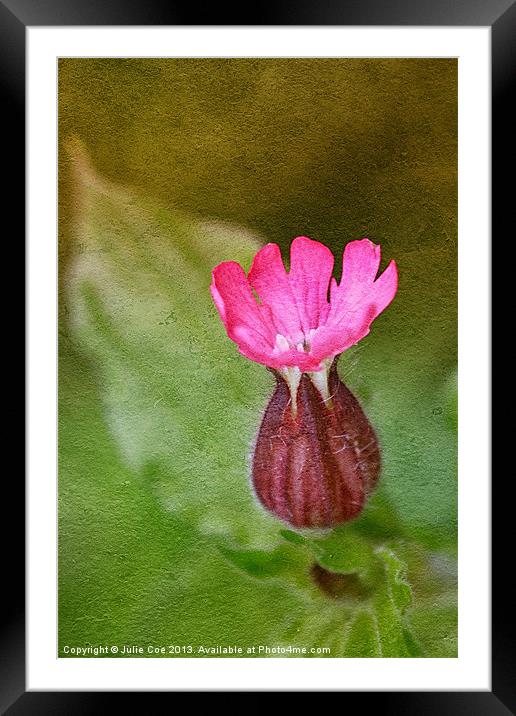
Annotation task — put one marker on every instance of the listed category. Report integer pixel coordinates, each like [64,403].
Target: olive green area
[168,167]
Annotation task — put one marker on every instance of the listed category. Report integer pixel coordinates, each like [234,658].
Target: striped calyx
[315,467]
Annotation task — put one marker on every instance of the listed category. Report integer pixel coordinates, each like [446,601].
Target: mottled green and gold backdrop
[167,167]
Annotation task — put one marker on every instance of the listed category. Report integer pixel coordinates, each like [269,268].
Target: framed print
[258,369]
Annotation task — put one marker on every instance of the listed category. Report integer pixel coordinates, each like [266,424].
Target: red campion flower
[316,457]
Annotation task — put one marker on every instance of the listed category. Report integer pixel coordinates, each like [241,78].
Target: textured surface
[160,538]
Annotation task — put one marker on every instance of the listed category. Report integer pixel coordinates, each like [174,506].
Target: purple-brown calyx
[316,457]
[317,467]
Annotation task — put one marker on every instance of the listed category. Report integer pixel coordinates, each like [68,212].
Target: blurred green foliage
[161,540]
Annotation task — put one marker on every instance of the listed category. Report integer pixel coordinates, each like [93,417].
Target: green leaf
[391,601]
[397,588]
[176,393]
[293,537]
[362,640]
[260,563]
[344,552]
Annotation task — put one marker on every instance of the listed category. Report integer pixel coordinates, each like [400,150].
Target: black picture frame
[15,17]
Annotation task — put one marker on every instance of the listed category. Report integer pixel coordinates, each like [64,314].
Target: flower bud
[316,458]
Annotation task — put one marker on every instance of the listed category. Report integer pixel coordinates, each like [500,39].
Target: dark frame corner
[500,15]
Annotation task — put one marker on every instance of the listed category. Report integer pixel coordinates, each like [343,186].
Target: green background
[166,168]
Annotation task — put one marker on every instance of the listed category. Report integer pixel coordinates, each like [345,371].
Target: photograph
[257,357]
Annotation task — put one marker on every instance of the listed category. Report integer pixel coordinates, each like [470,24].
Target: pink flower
[316,458]
[293,324]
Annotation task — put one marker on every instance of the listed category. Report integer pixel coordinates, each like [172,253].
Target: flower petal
[270,281]
[385,288]
[311,266]
[360,264]
[250,324]
[245,322]
[357,300]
